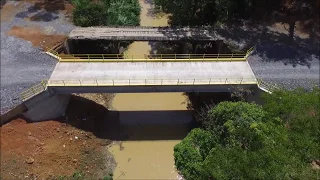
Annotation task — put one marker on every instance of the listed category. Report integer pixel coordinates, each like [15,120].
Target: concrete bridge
[117,73]
[140,33]
[50,99]
[128,77]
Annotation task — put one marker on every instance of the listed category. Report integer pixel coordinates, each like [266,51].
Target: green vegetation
[106,13]
[239,140]
[209,12]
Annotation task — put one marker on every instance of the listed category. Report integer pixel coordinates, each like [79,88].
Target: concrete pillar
[68,44]
[48,108]
[184,48]
[219,46]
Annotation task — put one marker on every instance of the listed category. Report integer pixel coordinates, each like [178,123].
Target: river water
[154,123]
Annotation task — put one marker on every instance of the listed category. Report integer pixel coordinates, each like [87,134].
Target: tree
[300,111]
[106,12]
[190,153]
[87,13]
[241,141]
[124,12]
[209,12]
[291,11]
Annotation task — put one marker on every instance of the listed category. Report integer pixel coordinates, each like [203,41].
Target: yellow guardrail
[52,51]
[249,51]
[152,82]
[34,90]
[150,58]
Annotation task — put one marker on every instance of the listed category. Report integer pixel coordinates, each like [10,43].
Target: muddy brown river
[154,122]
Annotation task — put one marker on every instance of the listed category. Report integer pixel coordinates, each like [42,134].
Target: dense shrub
[266,163]
[236,123]
[246,143]
[300,111]
[106,12]
[124,12]
[190,153]
[87,13]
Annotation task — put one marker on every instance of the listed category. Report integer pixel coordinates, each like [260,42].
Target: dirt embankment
[57,149]
[39,11]
[36,36]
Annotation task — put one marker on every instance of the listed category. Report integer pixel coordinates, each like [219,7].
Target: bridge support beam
[47,108]
[69,46]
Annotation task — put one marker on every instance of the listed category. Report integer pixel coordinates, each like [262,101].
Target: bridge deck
[144,33]
[157,73]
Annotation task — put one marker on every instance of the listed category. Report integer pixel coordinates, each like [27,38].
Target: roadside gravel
[22,64]
[282,71]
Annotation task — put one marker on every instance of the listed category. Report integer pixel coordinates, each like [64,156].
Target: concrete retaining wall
[48,108]
[5,118]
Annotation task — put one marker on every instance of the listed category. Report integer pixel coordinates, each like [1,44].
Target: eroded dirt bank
[58,149]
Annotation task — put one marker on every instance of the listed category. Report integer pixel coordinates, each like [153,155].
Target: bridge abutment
[46,106]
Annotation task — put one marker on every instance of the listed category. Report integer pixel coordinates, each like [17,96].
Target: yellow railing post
[203,57]
[194,80]
[231,56]
[210,81]
[112,82]
[175,57]
[129,82]
[178,82]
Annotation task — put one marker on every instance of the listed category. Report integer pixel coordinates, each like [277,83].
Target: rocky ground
[27,27]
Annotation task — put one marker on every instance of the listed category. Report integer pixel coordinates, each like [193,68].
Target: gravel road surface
[285,71]
[22,64]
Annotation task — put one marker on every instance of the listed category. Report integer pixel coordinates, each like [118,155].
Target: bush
[300,111]
[190,153]
[266,163]
[236,124]
[87,13]
[106,12]
[241,141]
[124,12]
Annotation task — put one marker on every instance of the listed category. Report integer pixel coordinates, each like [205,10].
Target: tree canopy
[209,12]
[239,140]
[106,12]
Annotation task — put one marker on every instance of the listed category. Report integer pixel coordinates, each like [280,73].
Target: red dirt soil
[47,150]
[9,11]
[36,36]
